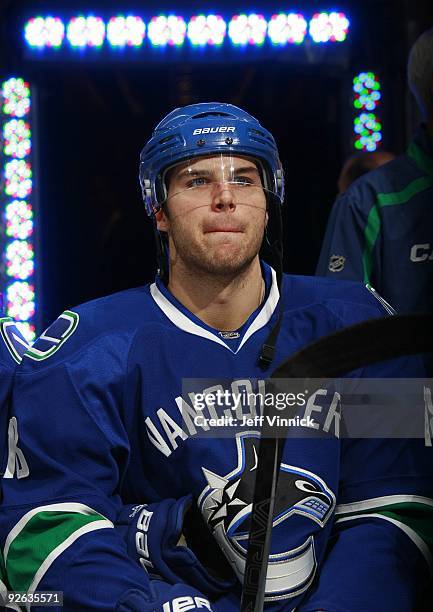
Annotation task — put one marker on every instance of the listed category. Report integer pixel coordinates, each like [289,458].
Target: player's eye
[243,181]
[197,181]
[304,485]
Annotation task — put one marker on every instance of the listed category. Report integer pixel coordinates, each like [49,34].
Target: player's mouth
[226,230]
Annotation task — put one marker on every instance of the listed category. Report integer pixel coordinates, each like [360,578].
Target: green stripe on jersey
[422,160]
[40,537]
[372,228]
[416,515]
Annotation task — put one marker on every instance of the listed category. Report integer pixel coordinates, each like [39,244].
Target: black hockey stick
[329,357]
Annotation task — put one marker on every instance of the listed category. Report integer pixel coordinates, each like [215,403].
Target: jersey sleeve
[378,555]
[348,247]
[12,348]
[67,453]
[386,574]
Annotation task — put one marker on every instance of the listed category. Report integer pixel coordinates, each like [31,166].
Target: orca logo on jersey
[226,505]
[14,341]
[213,130]
[54,337]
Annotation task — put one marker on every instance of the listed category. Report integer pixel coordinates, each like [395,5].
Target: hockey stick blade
[351,348]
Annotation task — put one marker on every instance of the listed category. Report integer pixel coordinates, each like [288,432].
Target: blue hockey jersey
[380,230]
[103,419]
[12,347]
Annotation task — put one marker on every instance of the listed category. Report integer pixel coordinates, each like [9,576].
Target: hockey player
[380,230]
[12,348]
[104,419]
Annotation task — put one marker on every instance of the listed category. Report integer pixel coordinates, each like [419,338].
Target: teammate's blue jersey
[380,230]
[12,348]
[103,419]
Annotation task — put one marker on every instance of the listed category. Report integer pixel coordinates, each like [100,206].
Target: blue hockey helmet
[205,129]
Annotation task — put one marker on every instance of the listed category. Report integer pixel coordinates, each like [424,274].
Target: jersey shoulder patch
[13,339]
[50,341]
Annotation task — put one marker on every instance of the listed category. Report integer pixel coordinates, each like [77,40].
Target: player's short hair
[420,72]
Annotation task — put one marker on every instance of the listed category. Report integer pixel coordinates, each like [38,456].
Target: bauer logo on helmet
[213,130]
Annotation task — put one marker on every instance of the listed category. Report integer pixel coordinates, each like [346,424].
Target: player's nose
[223,197]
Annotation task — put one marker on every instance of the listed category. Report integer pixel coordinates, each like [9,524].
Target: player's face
[215,214]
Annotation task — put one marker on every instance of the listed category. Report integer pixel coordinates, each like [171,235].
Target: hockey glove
[167,598]
[153,533]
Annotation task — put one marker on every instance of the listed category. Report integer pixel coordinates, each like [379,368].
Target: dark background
[94,116]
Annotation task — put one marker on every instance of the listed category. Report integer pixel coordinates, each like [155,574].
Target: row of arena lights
[366,98]
[16,203]
[173,30]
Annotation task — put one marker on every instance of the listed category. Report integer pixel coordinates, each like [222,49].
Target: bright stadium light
[85,31]
[19,219]
[167,30]
[366,88]
[15,97]
[366,125]
[16,205]
[18,178]
[368,130]
[16,138]
[206,30]
[126,31]
[44,32]
[287,28]
[20,257]
[329,27]
[20,300]
[243,29]
[248,29]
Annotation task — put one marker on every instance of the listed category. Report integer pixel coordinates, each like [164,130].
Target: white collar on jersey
[184,323]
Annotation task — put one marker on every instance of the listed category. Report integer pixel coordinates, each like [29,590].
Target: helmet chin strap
[161,253]
[275,249]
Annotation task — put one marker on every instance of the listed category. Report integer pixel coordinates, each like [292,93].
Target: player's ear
[162,222]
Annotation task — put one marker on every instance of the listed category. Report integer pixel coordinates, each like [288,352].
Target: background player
[12,348]
[380,230]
